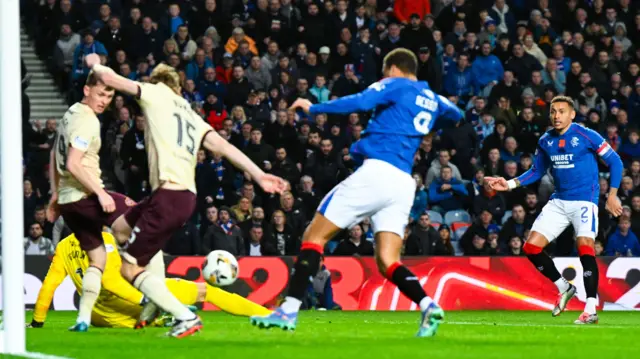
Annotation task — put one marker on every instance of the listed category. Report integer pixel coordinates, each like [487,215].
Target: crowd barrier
[457,283]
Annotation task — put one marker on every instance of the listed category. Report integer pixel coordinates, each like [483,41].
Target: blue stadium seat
[435,217]
[457,216]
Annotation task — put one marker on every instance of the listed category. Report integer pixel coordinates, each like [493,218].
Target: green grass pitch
[357,335]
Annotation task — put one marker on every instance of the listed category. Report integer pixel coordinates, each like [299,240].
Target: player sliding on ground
[404,112]
[119,304]
[570,151]
[77,189]
[173,135]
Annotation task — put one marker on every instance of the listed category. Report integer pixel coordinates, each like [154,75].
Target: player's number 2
[422,122]
[192,146]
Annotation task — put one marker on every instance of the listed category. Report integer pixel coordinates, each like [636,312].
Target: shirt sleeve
[148,94]
[82,133]
[55,276]
[602,148]
[537,170]
[379,93]
[448,110]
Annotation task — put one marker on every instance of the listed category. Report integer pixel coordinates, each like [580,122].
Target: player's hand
[271,183]
[53,210]
[107,203]
[614,206]
[35,324]
[497,183]
[304,104]
[91,60]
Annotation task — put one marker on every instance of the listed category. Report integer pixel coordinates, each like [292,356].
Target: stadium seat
[505,218]
[457,216]
[435,225]
[459,228]
[435,217]
[457,250]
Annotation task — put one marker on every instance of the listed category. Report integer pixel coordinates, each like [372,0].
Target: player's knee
[586,246]
[531,249]
[98,257]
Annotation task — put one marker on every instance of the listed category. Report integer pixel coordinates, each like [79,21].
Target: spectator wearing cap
[424,240]
[224,235]
[428,70]
[459,80]
[348,83]
[487,70]
[489,33]
[416,35]
[620,36]
[502,48]
[237,36]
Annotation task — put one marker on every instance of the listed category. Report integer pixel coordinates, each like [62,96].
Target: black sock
[545,265]
[306,266]
[590,275]
[408,284]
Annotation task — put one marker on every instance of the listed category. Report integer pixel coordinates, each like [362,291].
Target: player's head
[562,112]
[97,95]
[167,75]
[400,63]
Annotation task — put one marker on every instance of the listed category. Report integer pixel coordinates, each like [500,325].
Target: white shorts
[558,214]
[377,190]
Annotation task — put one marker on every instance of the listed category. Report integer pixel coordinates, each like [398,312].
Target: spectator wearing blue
[365,55]
[210,85]
[88,46]
[631,148]
[510,151]
[623,242]
[563,62]
[504,17]
[459,80]
[473,114]
[420,199]
[633,105]
[487,70]
[102,20]
[320,293]
[175,20]
[195,68]
[319,89]
[485,126]
[447,193]
[551,75]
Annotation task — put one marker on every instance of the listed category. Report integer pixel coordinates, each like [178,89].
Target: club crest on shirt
[550,143]
[574,141]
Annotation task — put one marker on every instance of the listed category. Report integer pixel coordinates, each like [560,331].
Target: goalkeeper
[119,303]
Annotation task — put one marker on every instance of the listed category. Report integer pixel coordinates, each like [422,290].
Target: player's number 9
[422,122]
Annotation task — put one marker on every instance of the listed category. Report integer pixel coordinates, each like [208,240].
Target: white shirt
[254,250]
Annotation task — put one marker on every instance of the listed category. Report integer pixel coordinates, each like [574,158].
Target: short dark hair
[403,59]
[93,80]
[565,99]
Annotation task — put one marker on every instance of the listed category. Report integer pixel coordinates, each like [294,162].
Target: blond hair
[167,75]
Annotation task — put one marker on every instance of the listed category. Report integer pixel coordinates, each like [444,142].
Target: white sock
[590,307]
[291,305]
[562,285]
[156,290]
[425,303]
[156,266]
[91,285]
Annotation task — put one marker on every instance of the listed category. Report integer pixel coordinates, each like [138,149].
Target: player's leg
[547,227]
[151,310]
[190,293]
[83,218]
[585,222]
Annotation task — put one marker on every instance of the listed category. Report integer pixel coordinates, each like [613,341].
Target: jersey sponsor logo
[562,161]
[109,248]
[80,143]
[575,142]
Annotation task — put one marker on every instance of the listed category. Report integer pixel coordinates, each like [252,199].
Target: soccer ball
[220,268]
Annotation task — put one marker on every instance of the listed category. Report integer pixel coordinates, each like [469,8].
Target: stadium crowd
[243,62]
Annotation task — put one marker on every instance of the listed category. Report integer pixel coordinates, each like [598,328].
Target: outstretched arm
[110,78]
[534,173]
[377,94]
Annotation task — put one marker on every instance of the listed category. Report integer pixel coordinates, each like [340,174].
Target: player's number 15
[422,122]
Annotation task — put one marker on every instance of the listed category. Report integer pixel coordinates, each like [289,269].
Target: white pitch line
[539,325]
[35,355]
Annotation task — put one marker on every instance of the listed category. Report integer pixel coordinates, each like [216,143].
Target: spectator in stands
[459,80]
[185,242]
[516,225]
[258,75]
[63,54]
[522,64]
[134,160]
[487,70]
[88,46]
[325,167]
[195,69]
[436,166]
[447,193]
[424,239]
[282,235]
[258,245]
[40,216]
[489,200]
[479,228]
[515,247]
[36,244]
[224,235]
[242,210]
[420,199]
[623,242]
[445,236]
[354,245]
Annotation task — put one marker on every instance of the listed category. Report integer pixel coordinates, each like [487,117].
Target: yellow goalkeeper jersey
[117,295]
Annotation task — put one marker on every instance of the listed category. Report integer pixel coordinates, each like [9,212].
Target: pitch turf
[357,335]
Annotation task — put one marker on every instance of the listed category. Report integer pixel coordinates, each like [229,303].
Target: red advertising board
[457,283]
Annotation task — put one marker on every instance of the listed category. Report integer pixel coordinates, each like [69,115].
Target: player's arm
[448,110]
[537,170]
[377,94]
[53,211]
[55,276]
[613,161]
[88,181]
[111,78]
[215,143]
